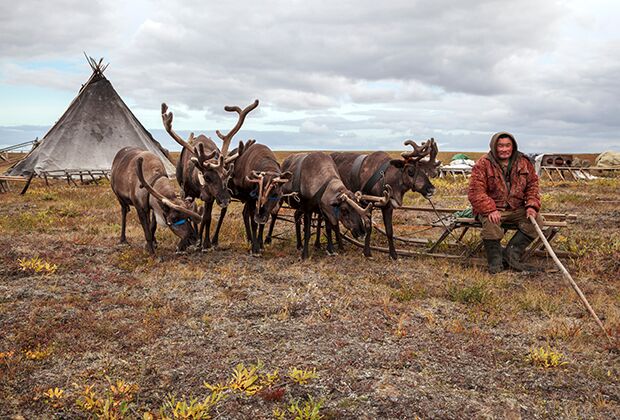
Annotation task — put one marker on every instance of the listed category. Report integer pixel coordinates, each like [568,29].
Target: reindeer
[203,171]
[257,182]
[372,174]
[318,189]
[139,179]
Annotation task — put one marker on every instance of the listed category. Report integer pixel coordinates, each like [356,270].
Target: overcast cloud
[329,75]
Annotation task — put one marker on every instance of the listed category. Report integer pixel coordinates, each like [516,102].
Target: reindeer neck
[394,178]
[162,185]
[333,188]
[267,164]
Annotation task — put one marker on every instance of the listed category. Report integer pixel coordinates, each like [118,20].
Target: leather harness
[379,173]
[316,198]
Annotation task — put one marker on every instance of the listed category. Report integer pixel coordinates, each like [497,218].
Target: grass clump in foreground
[37,266]
[475,294]
[546,357]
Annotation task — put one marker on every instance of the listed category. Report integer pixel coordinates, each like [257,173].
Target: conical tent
[92,130]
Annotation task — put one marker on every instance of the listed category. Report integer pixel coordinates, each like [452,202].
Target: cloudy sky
[331,74]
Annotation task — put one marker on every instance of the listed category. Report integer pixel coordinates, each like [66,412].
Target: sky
[330,75]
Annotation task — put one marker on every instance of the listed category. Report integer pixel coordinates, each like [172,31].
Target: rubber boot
[514,251]
[494,255]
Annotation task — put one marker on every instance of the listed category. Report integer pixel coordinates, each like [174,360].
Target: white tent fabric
[608,158]
[92,130]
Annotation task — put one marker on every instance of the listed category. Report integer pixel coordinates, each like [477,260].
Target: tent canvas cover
[92,130]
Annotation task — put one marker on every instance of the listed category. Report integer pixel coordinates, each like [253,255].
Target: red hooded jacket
[490,190]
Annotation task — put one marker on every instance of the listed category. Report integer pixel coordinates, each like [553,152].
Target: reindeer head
[268,192]
[173,212]
[418,165]
[213,173]
[346,209]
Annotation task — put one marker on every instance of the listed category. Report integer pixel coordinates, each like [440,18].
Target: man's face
[504,148]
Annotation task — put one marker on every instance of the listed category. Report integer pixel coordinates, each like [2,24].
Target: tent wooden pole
[27,184]
[570,279]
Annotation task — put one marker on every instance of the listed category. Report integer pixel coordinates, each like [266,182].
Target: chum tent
[95,126]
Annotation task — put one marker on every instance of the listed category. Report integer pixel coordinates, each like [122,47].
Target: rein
[379,173]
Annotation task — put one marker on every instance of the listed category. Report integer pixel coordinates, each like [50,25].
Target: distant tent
[608,158]
[87,136]
[460,156]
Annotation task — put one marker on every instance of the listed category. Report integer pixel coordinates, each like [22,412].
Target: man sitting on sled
[504,189]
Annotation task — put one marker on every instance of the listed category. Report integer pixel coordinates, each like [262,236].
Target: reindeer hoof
[205,250]
[332,253]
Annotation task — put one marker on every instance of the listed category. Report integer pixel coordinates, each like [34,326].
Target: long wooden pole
[570,279]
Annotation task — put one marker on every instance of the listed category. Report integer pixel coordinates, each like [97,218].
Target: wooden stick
[27,184]
[569,278]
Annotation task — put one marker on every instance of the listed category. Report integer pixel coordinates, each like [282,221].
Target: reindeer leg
[146,227]
[216,234]
[153,223]
[271,225]
[297,218]
[330,244]
[261,230]
[255,241]
[307,228]
[317,241]
[389,230]
[247,214]
[338,237]
[124,211]
[367,252]
[205,226]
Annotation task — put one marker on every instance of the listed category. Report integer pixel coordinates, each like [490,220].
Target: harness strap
[316,198]
[297,176]
[375,178]
[355,172]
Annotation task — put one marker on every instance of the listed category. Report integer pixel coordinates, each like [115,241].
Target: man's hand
[495,217]
[530,212]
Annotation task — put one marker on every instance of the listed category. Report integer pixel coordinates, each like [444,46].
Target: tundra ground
[419,337]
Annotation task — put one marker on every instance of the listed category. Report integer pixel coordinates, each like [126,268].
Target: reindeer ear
[398,163]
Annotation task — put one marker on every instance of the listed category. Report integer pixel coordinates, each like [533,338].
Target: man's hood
[493,145]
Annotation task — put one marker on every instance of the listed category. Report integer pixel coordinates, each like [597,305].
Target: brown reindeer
[257,182]
[319,189]
[371,174]
[139,179]
[203,170]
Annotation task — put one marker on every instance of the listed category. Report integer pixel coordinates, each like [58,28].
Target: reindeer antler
[242,114]
[167,118]
[418,152]
[433,154]
[376,201]
[159,196]
[362,211]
